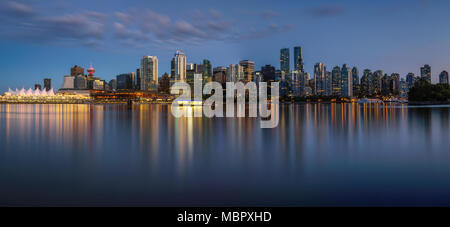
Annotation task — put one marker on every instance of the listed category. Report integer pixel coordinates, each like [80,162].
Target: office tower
[148,73]
[37,87]
[347,79]
[284,60]
[47,84]
[178,65]
[164,84]
[366,83]
[220,75]
[69,82]
[248,68]
[207,71]
[98,84]
[328,84]
[403,88]
[376,82]
[268,73]
[137,85]
[133,80]
[190,71]
[80,82]
[385,85]
[425,72]
[410,80]
[395,83]
[299,65]
[336,79]
[76,70]
[235,73]
[319,78]
[443,77]
[124,81]
[355,81]
[113,84]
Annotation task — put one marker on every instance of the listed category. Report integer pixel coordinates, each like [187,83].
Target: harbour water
[319,155]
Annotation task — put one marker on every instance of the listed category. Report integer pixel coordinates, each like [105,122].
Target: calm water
[320,154]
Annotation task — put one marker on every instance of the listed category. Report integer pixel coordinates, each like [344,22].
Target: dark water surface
[320,154]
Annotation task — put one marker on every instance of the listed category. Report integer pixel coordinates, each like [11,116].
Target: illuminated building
[149,73]
[178,67]
[284,60]
[443,77]
[425,72]
[248,68]
[47,84]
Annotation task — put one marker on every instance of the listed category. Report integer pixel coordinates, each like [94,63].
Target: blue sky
[41,39]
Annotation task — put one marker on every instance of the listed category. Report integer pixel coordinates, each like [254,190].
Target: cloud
[269,14]
[16,9]
[326,11]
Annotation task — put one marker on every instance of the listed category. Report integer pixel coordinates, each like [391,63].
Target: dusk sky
[41,39]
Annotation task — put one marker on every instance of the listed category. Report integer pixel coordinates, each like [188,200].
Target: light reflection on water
[320,154]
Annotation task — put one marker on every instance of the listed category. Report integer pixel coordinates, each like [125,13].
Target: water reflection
[320,154]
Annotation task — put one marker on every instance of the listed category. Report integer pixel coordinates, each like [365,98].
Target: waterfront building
[124,81]
[366,84]
[137,85]
[355,81]
[149,73]
[403,88]
[164,84]
[410,79]
[37,87]
[207,71]
[425,72]
[47,84]
[113,84]
[98,84]
[284,60]
[346,84]
[376,82]
[328,84]
[220,74]
[76,70]
[69,82]
[299,65]
[268,73]
[248,68]
[443,77]
[385,85]
[395,84]
[178,64]
[319,78]
[336,79]
[80,82]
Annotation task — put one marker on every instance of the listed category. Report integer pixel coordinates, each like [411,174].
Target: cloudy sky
[45,38]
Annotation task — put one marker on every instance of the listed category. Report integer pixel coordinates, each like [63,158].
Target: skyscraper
[207,71]
[395,83]
[328,84]
[425,72]
[268,73]
[366,83]
[410,80]
[299,65]
[76,70]
[284,60]
[376,82]
[443,77]
[179,67]
[355,81]
[148,73]
[319,78]
[47,84]
[248,68]
[124,81]
[346,85]
[336,79]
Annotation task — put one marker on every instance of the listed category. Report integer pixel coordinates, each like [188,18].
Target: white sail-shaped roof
[29,92]
[51,92]
[36,92]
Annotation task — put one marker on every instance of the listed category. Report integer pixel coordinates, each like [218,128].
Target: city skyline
[51,59]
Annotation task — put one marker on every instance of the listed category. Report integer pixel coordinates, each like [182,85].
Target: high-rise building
[137,85]
[319,78]
[164,84]
[443,77]
[178,65]
[336,79]
[113,84]
[376,82]
[299,65]
[284,60]
[148,73]
[395,84]
[37,87]
[386,85]
[355,81]
[76,70]
[47,84]
[268,73]
[248,68]
[347,79]
[220,75]
[235,73]
[69,82]
[403,88]
[425,72]
[80,82]
[207,71]
[328,84]
[125,81]
[410,79]
[367,83]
